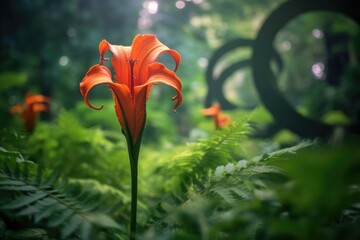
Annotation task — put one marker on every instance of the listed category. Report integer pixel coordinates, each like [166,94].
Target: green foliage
[209,189]
[78,151]
[308,191]
[321,199]
[10,79]
[228,188]
[215,188]
[325,169]
[31,195]
[193,164]
[250,178]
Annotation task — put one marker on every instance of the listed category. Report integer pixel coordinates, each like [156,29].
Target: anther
[102,59]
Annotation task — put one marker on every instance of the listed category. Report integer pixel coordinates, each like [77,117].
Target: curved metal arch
[215,85]
[264,78]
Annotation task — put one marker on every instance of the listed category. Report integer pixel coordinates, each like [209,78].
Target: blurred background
[283,71]
[47,47]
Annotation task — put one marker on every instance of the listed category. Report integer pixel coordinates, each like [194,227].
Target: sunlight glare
[63,61]
[180,4]
[318,70]
[152,6]
[317,33]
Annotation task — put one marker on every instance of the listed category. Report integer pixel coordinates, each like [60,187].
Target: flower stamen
[102,59]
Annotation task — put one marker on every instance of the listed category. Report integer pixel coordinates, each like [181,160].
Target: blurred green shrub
[80,152]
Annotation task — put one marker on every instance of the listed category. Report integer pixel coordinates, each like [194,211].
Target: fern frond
[194,163]
[39,173]
[224,193]
[50,204]
[229,190]
[27,233]
[285,152]
[9,154]
[248,176]
[89,190]
[22,202]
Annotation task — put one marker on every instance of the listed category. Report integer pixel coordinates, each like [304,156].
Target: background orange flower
[34,103]
[220,119]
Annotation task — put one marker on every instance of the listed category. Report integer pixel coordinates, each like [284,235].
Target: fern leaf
[195,162]
[28,211]
[50,181]
[46,209]
[24,200]
[265,169]
[18,156]
[17,171]
[7,169]
[26,172]
[69,228]
[280,153]
[52,206]
[224,193]
[241,192]
[101,220]
[39,173]
[10,182]
[85,230]
[23,188]
[27,233]
[57,220]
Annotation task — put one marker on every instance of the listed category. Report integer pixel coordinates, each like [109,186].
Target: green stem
[133,156]
[134,190]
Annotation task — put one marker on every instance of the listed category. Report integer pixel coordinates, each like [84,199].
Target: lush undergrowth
[67,181]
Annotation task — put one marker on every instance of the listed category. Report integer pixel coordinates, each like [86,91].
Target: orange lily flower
[34,103]
[220,119]
[136,70]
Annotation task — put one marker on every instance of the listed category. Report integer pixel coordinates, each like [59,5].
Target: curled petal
[145,50]
[36,98]
[148,44]
[159,74]
[212,111]
[120,60]
[96,75]
[103,48]
[222,120]
[176,56]
[142,44]
[40,107]
[152,57]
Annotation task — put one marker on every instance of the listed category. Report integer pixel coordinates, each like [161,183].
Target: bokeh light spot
[180,4]
[63,61]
